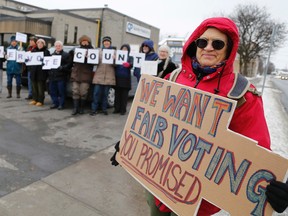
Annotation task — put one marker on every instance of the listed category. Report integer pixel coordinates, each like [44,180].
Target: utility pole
[268,58]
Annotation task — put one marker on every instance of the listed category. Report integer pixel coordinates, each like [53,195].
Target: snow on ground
[277,120]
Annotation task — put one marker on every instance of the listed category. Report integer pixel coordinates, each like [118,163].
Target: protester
[58,77]
[1,74]
[81,78]
[165,64]
[147,47]
[31,47]
[104,78]
[13,69]
[39,76]
[123,82]
[207,64]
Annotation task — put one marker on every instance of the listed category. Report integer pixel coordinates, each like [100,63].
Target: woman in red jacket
[207,64]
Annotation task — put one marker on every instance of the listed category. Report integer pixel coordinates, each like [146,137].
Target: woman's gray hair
[58,42]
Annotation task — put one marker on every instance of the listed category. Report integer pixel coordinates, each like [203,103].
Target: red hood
[225,25]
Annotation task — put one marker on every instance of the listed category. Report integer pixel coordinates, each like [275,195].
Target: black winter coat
[165,67]
[63,72]
[36,71]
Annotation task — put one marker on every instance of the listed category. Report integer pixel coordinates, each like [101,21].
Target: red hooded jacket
[248,119]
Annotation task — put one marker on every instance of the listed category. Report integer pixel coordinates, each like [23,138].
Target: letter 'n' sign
[177,144]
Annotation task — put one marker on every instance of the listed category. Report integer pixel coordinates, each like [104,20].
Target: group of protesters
[101,77]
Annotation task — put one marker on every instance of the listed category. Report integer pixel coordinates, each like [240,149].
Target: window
[66,33]
[75,34]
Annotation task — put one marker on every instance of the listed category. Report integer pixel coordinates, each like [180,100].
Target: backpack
[239,88]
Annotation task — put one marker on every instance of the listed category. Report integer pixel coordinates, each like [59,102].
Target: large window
[66,33]
[75,34]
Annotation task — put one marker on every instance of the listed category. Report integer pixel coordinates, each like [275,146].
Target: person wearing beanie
[104,78]
[81,78]
[32,46]
[13,70]
[39,76]
[146,47]
[165,64]
[123,82]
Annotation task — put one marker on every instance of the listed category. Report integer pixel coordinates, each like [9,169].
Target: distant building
[69,25]
[176,47]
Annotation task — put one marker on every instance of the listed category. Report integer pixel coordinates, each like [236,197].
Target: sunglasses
[216,44]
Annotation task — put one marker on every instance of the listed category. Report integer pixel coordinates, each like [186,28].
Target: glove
[113,158]
[277,195]
[26,60]
[60,68]
[126,64]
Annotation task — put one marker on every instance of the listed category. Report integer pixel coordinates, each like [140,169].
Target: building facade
[69,25]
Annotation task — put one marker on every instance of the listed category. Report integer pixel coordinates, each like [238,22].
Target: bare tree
[255,29]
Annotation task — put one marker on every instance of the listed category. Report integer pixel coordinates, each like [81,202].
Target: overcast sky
[178,17]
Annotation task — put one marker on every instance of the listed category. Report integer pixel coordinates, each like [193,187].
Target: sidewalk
[92,187]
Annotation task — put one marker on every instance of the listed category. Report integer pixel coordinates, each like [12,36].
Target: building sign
[177,144]
[138,30]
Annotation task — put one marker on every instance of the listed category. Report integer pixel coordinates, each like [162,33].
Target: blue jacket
[150,56]
[12,66]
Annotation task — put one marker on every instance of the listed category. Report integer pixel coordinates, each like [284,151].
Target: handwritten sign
[21,37]
[177,144]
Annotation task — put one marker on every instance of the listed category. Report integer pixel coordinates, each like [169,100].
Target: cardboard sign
[21,37]
[177,144]
[1,51]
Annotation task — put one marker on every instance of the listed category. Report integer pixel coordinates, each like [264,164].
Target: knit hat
[12,38]
[164,48]
[84,38]
[106,38]
[41,41]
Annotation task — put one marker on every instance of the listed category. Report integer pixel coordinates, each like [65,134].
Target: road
[283,86]
[36,141]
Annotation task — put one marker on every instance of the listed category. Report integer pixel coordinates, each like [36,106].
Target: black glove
[277,195]
[59,68]
[113,158]
[26,60]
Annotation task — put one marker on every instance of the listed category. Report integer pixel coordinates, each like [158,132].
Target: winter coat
[36,71]
[165,66]
[248,119]
[64,70]
[150,56]
[82,72]
[123,75]
[105,73]
[13,67]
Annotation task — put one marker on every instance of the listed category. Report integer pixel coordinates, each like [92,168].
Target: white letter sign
[93,56]
[107,56]
[121,56]
[79,55]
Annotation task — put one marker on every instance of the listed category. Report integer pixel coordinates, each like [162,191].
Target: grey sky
[180,17]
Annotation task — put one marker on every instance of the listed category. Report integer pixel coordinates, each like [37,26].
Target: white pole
[268,59]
